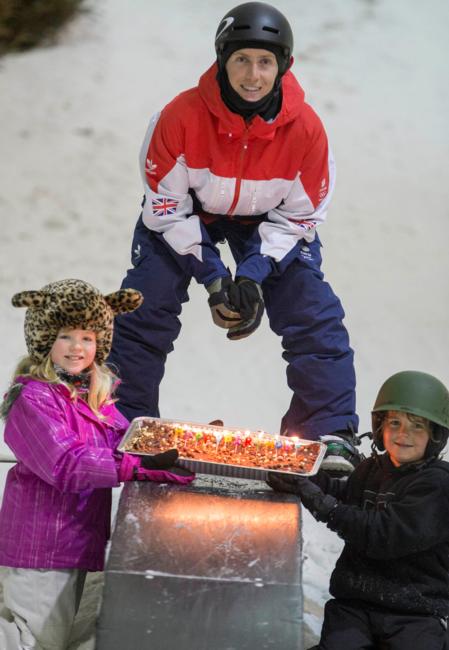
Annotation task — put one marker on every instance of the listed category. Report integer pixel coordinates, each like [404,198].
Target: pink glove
[163,470]
[166,476]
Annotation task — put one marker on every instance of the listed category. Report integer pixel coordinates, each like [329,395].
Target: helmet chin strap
[437,441]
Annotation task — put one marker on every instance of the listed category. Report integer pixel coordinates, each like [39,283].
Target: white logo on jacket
[150,167]
[323,190]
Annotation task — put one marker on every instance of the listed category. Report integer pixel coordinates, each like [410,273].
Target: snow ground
[72,118]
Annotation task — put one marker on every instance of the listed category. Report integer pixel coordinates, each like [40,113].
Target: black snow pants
[356,625]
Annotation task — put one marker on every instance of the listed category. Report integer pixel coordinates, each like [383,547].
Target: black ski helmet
[256,22]
[417,393]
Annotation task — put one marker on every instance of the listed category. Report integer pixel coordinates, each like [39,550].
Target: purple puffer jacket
[57,501]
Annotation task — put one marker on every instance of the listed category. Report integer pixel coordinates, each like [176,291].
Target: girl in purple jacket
[64,429]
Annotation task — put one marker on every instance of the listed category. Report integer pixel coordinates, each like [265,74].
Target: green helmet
[417,393]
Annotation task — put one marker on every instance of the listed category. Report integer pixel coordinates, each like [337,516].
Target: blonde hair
[100,388]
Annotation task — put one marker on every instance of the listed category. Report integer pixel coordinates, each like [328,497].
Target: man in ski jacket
[242,158]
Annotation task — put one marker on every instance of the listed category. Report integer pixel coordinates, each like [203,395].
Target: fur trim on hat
[73,304]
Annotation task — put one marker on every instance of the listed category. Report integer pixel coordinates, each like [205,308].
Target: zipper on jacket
[238,180]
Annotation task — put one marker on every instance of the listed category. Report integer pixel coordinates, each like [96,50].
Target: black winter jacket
[395,522]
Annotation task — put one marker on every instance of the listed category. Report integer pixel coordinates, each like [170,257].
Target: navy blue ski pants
[301,307]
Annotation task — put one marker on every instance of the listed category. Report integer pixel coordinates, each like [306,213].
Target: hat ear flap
[124,300]
[28,299]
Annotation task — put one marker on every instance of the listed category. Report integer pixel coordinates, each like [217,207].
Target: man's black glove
[250,305]
[312,497]
[223,294]
[165,460]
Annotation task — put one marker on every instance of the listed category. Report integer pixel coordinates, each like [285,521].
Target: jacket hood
[229,122]
[14,391]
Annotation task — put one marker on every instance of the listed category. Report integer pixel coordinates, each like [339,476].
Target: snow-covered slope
[71,122]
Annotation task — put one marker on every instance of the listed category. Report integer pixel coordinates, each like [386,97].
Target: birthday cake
[203,447]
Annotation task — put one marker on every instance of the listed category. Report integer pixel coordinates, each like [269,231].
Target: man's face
[252,73]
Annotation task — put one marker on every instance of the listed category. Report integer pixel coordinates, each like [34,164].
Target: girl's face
[405,437]
[252,73]
[74,350]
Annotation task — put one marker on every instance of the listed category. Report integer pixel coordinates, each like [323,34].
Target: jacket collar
[233,124]
[78,404]
[83,407]
[387,465]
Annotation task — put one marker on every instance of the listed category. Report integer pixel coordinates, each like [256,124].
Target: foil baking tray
[224,451]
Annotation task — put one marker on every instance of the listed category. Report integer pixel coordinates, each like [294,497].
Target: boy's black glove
[251,306]
[223,294]
[165,460]
[312,497]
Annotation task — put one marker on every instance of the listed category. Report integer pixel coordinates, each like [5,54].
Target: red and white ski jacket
[200,161]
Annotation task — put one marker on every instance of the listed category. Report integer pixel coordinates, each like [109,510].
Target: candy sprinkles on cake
[214,444]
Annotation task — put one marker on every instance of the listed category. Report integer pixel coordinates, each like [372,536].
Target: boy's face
[405,437]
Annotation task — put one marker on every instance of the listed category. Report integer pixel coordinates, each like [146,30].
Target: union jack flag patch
[163,206]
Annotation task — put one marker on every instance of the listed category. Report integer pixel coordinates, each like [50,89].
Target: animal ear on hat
[124,300]
[28,299]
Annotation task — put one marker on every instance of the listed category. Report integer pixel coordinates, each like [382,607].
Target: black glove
[312,497]
[251,307]
[222,295]
[165,460]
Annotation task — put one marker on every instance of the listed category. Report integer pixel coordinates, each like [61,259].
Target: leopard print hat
[75,304]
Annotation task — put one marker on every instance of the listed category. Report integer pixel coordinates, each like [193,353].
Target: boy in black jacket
[390,586]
